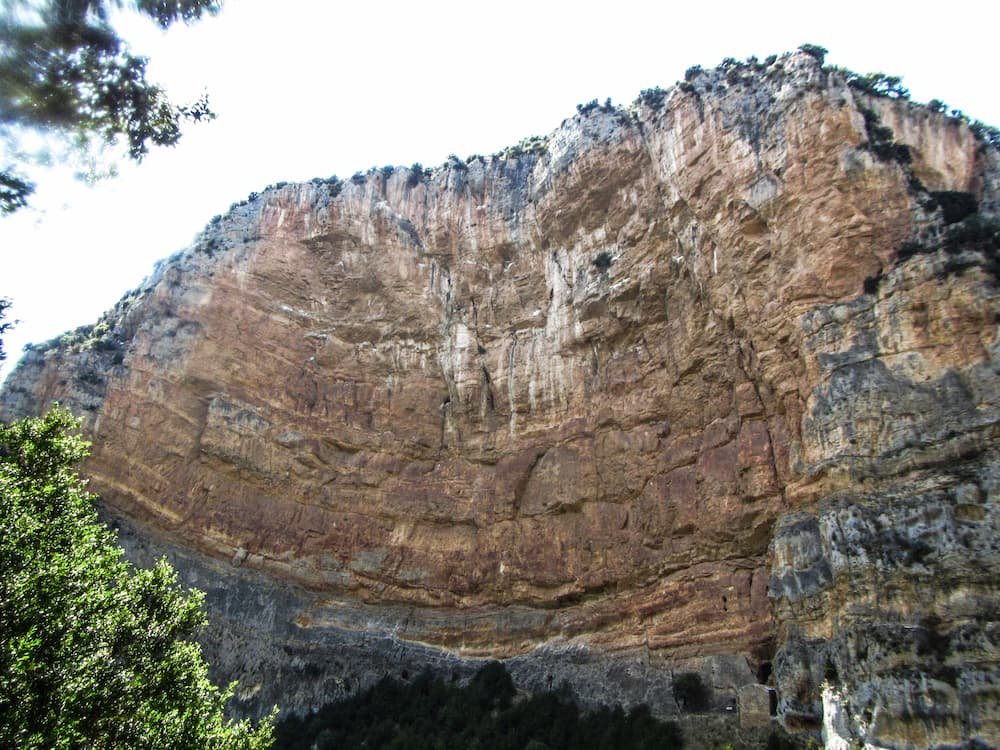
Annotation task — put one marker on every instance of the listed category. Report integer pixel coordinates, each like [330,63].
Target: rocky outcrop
[701,384]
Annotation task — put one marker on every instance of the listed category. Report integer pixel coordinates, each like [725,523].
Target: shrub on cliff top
[653,97]
[986,133]
[814,50]
[879,84]
[416,175]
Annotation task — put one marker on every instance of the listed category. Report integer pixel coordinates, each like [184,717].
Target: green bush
[693,72]
[814,50]
[973,242]
[416,174]
[881,140]
[535,144]
[334,185]
[653,97]
[955,205]
[986,133]
[602,261]
[879,84]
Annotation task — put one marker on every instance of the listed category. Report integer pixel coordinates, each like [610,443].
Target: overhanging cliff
[704,383]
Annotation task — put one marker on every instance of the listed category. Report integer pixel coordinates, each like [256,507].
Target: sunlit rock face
[704,384]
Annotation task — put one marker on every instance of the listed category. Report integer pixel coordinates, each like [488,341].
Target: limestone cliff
[706,383]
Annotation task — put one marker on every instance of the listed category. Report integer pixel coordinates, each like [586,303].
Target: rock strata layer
[710,383]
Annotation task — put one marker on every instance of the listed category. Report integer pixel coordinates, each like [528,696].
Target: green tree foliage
[814,50]
[485,714]
[653,97]
[93,653]
[879,84]
[64,71]
[14,192]
[986,133]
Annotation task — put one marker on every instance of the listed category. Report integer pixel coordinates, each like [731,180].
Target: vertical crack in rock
[512,382]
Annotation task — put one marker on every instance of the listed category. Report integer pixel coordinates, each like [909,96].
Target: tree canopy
[428,712]
[93,653]
[65,71]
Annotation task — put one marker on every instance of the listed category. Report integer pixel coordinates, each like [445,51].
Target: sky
[304,89]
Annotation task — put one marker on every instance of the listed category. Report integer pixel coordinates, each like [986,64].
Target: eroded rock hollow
[709,383]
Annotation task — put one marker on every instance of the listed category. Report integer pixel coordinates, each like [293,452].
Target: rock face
[704,384]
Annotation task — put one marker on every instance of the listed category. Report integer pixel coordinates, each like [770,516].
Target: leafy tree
[64,71]
[93,653]
[492,687]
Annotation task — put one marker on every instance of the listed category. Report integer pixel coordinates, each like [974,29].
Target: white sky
[311,88]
